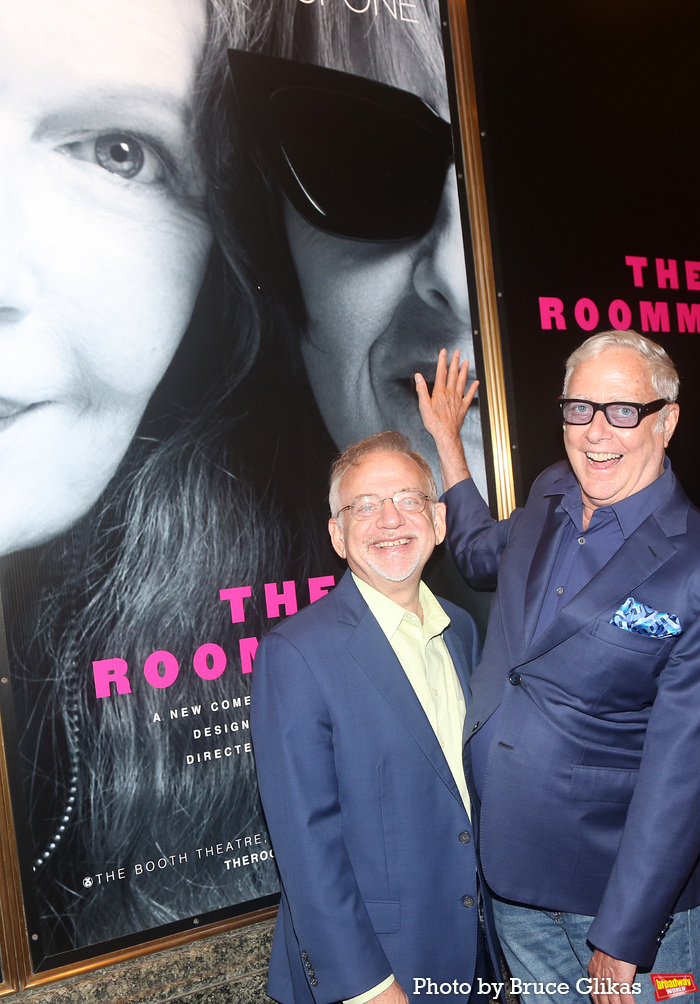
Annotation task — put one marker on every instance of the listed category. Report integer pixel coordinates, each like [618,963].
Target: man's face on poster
[377,312]
[104,240]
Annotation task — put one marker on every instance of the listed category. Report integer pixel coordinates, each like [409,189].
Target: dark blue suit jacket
[591,798]
[372,840]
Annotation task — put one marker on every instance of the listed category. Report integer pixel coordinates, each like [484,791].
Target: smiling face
[609,463]
[103,240]
[390,551]
[378,312]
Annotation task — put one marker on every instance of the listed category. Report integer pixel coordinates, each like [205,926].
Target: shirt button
[468,901]
[465,838]
[582,540]
[560,590]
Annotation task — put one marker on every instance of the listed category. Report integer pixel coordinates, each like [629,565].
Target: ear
[670,421]
[337,536]
[439,523]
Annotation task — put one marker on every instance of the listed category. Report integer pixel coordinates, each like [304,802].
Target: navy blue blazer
[373,842]
[591,798]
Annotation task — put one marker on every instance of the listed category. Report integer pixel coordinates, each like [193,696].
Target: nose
[439,276]
[17,291]
[599,428]
[390,516]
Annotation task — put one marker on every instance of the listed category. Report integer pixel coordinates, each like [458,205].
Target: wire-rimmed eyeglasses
[409,502]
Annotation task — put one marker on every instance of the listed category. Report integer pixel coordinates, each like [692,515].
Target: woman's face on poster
[378,312]
[104,240]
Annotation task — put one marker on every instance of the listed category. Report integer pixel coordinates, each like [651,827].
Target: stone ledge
[229,968]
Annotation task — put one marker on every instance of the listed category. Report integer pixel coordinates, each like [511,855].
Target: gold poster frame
[15,954]
[482,253]
[12,928]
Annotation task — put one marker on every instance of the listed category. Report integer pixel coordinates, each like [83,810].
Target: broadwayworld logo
[667,986]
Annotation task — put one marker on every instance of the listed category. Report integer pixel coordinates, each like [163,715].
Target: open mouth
[392,543]
[603,459]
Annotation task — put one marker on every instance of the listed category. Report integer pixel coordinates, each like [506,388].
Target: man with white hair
[585,710]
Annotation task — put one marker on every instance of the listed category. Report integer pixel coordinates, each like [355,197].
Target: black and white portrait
[198,309]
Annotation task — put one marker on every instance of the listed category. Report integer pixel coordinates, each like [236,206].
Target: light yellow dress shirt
[426,661]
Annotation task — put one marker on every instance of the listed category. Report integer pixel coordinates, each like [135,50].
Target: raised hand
[443,413]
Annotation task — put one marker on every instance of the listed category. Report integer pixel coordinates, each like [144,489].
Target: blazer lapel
[462,663]
[642,554]
[533,554]
[460,659]
[370,648]
[540,572]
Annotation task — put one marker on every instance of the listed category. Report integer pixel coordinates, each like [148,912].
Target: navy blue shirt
[581,554]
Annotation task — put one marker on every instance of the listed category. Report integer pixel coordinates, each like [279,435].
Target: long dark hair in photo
[190,511]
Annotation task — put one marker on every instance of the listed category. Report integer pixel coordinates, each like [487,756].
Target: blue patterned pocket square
[634,616]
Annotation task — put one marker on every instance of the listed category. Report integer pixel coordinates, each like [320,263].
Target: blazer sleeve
[660,842]
[475,538]
[292,731]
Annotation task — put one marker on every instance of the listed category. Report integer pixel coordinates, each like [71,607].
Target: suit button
[465,838]
[475,726]
[314,982]
[311,974]
[308,964]
[468,901]
[304,955]
[516,679]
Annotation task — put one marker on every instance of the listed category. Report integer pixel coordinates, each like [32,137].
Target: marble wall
[228,968]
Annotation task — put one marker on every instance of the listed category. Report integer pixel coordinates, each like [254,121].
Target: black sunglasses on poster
[356,158]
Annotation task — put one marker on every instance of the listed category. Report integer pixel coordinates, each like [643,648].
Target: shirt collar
[389,614]
[629,512]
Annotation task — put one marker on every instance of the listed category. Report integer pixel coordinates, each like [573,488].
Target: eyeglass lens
[364,171]
[620,415]
[369,505]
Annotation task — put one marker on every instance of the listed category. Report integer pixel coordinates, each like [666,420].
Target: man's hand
[609,972]
[394,994]
[443,413]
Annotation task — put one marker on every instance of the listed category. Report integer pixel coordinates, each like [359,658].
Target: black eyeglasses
[620,414]
[355,158]
[410,501]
